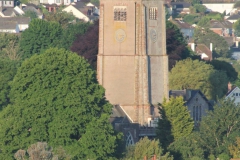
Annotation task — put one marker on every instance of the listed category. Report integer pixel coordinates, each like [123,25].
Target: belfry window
[153,13]
[120,13]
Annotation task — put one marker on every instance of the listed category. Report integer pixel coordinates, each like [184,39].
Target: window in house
[200,113]
[236,94]
[129,139]
[120,13]
[197,113]
[194,113]
[233,94]
[153,13]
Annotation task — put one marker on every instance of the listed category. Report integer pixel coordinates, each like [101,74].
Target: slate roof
[118,115]
[8,11]
[187,94]
[202,48]
[31,8]
[220,24]
[181,24]
[234,17]
[19,20]
[78,5]
[7,25]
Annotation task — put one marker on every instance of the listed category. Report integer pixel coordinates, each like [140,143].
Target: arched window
[200,113]
[120,13]
[197,113]
[153,13]
[129,139]
[194,113]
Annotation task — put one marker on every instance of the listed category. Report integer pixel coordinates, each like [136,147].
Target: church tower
[132,60]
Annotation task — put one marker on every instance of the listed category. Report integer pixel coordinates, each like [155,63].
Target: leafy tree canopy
[219,128]
[195,74]
[186,148]
[206,36]
[54,96]
[8,69]
[236,27]
[146,148]
[179,121]
[225,66]
[200,8]
[39,36]
[86,45]
[204,22]
[176,44]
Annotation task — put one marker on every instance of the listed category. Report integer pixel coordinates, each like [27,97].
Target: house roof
[218,1]
[229,92]
[234,17]
[220,24]
[188,95]
[202,48]
[181,24]
[19,20]
[31,8]
[78,5]
[181,4]
[8,25]
[7,11]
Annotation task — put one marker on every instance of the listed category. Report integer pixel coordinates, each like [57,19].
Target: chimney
[211,47]
[229,86]
[193,47]
[237,44]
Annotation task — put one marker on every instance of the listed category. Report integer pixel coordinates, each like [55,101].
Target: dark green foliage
[8,69]
[54,95]
[186,148]
[99,141]
[206,36]
[204,22]
[219,128]
[195,74]
[200,8]
[226,67]
[176,44]
[86,45]
[191,18]
[236,27]
[70,34]
[40,36]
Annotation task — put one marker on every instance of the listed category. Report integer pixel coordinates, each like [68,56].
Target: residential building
[180,7]
[222,28]
[196,102]
[233,18]
[233,93]
[220,6]
[83,12]
[186,29]
[15,24]
[202,50]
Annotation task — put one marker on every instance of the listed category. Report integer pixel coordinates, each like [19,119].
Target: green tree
[186,148]
[54,96]
[195,74]
[206,36]
[61,17]
[235,148]
[226,67]
[200,8]
[146,148]
[71,33]
[236,27]
[39,36]
[204,22]
[178,115]
[8,69]
[30,14]
[219,128]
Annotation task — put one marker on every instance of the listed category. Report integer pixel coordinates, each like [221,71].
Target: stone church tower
[132,60]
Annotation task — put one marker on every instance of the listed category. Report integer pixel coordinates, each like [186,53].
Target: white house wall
[7,3]
[76,13]
[235,94]
[219,7]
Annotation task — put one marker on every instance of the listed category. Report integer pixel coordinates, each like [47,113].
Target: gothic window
[194,113]
[197,113]
[153,13]
[120,14]
[129,139]
[200,113]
